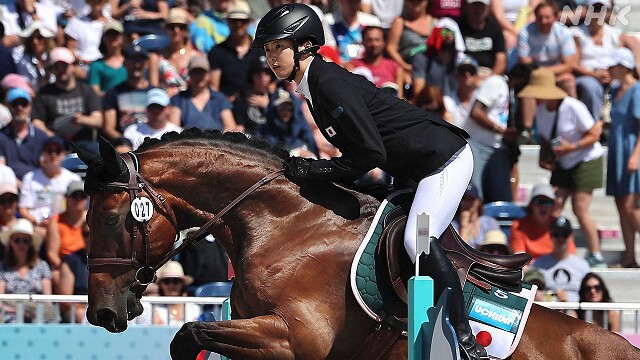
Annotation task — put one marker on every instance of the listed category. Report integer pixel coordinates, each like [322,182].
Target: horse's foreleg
[262,337]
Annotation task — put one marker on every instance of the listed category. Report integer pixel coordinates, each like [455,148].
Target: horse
[291,245]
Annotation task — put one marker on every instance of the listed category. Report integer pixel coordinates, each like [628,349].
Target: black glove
[296,168]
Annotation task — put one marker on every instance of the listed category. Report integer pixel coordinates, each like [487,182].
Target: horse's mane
[233,139]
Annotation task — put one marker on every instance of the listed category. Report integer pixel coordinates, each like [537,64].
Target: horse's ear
[87,157]
[114,164]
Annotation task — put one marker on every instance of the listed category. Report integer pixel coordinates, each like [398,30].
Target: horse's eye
[112,220]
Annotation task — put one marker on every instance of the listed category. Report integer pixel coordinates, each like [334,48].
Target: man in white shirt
[157,119]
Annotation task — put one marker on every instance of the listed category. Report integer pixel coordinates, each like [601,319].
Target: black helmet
[289,21]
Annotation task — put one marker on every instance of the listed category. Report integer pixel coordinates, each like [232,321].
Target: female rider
[374,129]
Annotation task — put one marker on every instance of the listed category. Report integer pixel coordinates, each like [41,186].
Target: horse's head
[121,256]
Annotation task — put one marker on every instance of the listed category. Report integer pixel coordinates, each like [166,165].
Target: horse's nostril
[106,316]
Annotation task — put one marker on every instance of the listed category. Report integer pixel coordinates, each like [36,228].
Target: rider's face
[280,57]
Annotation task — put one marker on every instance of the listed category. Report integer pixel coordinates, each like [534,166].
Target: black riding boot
[438,266]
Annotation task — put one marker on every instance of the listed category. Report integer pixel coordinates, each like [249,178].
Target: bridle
[145,272]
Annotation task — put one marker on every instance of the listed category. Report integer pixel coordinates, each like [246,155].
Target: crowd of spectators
[131,69]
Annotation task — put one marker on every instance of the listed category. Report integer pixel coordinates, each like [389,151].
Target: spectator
[437,66]
[594,290]
[25,12]
[174,62]
[200,106]
[562,271]
[173,282]
[21,141]
[385,10]
[122,145]
[157,119]
[470,221]
[490,134]
[623,175]
[287,127]
[7,65]
[231,60]
[596,42]
[83,35]
[346,25]
[74,279]
[383,70]
[22,271]
[43,188]
[495,242]
[67,96]
[409,33]
[64,230]
[532,233]
[430,98]
[548,44]
[126,103]
[536,277]
[211,27]
[108,72]
[140,17]
[446,8]
[512,15]
[482,36]
[250,109]
[15,81]
[206,263]
[8,204]
[459,103]
[34,64]
[578,168]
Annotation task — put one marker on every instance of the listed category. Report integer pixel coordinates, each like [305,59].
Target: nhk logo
[493,315]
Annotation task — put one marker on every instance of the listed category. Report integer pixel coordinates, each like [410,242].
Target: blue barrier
[420,301]
[70,342]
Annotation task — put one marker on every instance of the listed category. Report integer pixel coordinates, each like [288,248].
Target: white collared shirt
[303,87]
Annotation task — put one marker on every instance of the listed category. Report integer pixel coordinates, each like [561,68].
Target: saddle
[483,270]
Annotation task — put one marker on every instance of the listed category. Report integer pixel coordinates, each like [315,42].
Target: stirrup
[477,352]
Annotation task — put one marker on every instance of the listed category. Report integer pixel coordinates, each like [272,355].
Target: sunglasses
[543,202]
[21,240]
[178,26]
[20,102]
[172,281]
[557,234]
[597,288]
[8,199]
[78,195]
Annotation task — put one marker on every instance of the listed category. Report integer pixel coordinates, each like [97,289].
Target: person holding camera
[568,129]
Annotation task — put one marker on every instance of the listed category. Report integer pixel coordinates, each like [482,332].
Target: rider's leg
[439,195]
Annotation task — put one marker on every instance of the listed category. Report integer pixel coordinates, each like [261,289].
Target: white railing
[41,301]
[630,312]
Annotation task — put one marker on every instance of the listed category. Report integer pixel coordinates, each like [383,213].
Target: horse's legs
[263,337]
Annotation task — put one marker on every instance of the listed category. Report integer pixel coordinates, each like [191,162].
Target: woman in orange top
[531,234]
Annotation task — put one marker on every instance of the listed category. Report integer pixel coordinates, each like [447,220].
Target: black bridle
[145,273]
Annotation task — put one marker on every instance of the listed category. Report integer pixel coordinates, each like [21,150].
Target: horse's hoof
[184,346]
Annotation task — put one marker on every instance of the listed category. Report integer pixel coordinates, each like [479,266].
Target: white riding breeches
[439,195]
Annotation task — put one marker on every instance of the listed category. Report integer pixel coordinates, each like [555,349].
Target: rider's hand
[296,167]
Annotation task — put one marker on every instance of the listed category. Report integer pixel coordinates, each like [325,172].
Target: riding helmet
[289,21]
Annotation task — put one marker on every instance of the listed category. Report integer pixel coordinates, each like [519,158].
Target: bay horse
[291,246]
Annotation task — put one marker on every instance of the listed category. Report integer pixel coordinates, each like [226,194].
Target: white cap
[620,56]
[157,96]
[543,190]
[606,3]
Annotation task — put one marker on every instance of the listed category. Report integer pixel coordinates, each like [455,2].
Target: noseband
[145,273]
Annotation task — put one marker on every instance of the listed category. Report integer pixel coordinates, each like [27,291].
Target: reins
[145,273]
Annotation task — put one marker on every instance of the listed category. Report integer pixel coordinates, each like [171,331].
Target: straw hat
[177,16]
[173,269]
[21,226]
[542,85]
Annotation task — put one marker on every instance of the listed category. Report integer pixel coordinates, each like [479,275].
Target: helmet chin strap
[297,54]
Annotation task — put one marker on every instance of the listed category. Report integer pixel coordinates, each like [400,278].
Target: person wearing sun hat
[578,168]
[109,71]
[176,56]
[623,174]
[34,63]
[172,281]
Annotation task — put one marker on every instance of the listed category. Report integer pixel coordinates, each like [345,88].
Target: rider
[374,129]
